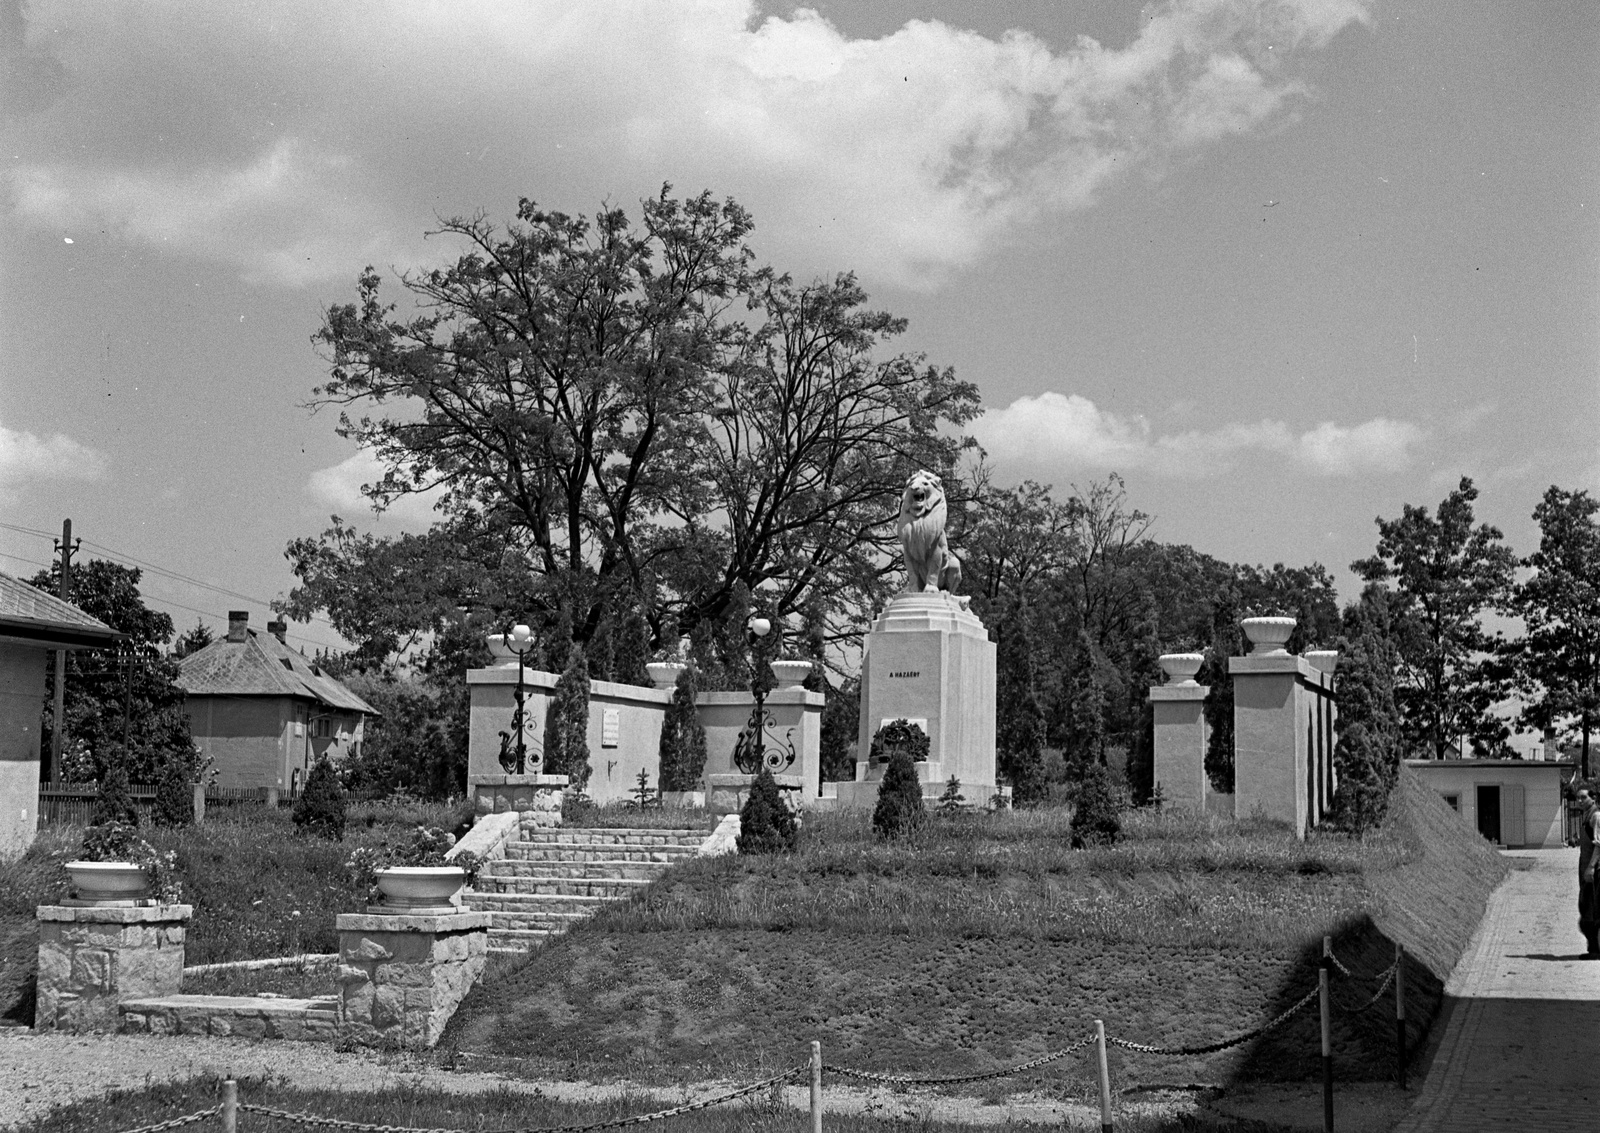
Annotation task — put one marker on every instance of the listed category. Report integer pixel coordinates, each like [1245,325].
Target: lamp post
[520,642]
[755,630]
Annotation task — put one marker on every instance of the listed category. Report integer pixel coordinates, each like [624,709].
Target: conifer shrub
[566,724]
[766,824]
[114,802]
[174,803]
[320,808]
[900,810]
[952,801]
[1097,821]
[683,739]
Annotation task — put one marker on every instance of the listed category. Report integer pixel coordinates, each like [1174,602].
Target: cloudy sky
[1283,264]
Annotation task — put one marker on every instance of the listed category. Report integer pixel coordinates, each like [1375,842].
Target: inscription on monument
[906,673]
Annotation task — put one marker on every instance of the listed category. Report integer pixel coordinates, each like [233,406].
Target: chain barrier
[1343,971]
[178,1122]
[1212,1048]
[1388,975]
[896,1080]
[616,1123]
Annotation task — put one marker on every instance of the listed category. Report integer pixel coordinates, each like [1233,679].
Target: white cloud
[907,156]
[339,488]
[26,457]
[1055,430]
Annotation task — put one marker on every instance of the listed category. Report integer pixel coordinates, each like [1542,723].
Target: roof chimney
[237,621]
[277,629]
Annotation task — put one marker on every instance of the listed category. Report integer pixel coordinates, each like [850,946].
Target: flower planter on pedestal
[791,674]
[664,674]
[1267,635]
[1181,667]
[419,889]
[108,884]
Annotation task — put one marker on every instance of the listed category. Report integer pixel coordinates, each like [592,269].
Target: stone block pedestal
[402,977]
[1180,746]
[726,792]
[91,958]
[536,797]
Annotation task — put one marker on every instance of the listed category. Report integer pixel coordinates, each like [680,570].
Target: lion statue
[929,563]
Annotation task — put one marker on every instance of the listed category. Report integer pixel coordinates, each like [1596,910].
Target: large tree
[642,415]
[1560,606]
[102,683]
[1443,574]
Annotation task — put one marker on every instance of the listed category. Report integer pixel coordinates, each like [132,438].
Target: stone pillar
[92,958]
[536,797]
[1180,735]
[402,977]
[726,792]
[929,660]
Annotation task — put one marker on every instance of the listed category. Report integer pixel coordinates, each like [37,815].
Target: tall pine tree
[566,724]
[1020,730]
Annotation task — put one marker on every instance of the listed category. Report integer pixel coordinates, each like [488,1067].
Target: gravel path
[1520,1048]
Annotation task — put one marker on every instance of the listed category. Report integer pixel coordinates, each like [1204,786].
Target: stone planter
[500,649]
[107,883]
[419,888]
[1181,667]
[1267,635]
[1324,660]
[665,673]
[791,674]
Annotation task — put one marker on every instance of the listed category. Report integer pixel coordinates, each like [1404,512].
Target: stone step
[561,835]
[242,1016]
[513,910]
[596,851]
[599,870]
[606,888]
[517,940]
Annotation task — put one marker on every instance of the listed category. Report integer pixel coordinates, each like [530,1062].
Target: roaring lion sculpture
[929,563]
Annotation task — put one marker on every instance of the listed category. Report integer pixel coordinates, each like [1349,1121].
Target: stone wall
[93,958]
[402,977]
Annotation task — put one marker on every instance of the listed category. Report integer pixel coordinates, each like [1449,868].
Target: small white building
[1511,802]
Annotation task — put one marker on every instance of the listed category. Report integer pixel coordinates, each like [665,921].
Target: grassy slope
[246,872]
[990,943]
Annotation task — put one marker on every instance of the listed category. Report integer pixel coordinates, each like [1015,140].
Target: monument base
[727,792]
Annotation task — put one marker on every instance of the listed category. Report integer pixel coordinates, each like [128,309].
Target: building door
[1489,811]
[1513,819]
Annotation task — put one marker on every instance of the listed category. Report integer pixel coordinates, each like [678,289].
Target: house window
[1454,801]
[321,728]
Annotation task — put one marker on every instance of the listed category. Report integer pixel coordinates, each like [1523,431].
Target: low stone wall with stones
[242,1016]
[402,977]
[537,798]
[91,958]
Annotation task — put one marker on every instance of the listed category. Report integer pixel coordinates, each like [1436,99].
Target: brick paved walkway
[1521,1048]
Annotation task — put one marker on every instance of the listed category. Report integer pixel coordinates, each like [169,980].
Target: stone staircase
[552,878]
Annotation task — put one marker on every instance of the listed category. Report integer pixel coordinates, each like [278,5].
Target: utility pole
[66,547]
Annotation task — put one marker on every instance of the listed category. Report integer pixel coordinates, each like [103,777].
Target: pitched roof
[29,613]
[261,665]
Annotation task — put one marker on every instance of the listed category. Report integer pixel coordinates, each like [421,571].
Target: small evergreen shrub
[114,803]
[174,804]
[899,811]
[952,801]
[683,739]
[1097,821]
[766,824]
[898,735]
[566,724]
[320,808]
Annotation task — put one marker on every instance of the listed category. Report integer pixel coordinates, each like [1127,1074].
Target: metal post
[1327,1035]
[816,1087]
[1400,1013]
[58,731]
[230,1106]
[521,720]
[1105,1075]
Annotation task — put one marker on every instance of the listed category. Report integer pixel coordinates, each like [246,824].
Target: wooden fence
[72,804]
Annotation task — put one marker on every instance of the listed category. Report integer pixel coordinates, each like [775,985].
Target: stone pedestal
[727,791]
[92,958]
[929,660]
[1180,746]
[402,977]
[536,797]
[1283,735]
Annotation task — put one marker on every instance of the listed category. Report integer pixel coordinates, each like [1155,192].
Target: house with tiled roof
[33,624]
[263,711]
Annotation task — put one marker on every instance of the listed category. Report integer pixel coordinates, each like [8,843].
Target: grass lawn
[503,1109]
[989,942]
[259,888]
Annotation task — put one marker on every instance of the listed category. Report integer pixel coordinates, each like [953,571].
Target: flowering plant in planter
[426,848]
[119,842]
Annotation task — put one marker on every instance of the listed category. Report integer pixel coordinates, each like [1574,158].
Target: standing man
[1588,891]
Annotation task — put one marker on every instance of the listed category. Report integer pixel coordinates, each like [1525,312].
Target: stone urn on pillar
[1181,667]
[1268,635]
